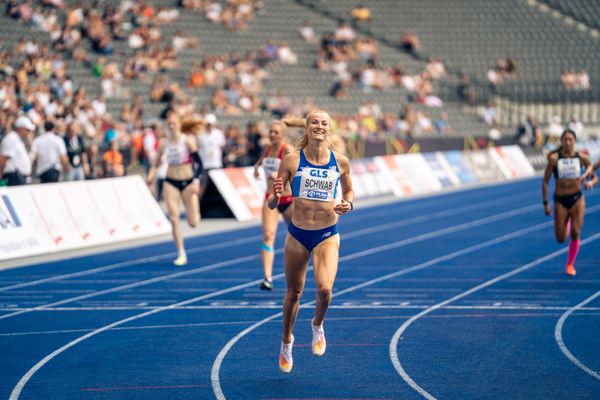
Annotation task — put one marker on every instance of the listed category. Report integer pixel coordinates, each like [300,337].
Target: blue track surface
[454,296]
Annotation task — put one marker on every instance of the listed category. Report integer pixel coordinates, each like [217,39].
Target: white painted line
[215,371]
[118,265]
[582,311]
[161,278]
[559,338]
[393,348]
[23,381]
[279,305]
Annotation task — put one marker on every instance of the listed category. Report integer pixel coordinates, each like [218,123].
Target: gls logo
[318,173]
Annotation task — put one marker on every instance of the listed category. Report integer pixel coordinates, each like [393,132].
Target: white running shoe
[181,260]
[286,362]
[318,340]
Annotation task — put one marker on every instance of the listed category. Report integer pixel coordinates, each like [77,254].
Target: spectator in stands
[495,133]
[308,33]
[576,126]
[361,13]
[528,133]
[210,146]
[465,91]
[15,165]
[76,153]
[113,163]
[488,112]
[409,42]
[555,128]
[442,125]
[49,153]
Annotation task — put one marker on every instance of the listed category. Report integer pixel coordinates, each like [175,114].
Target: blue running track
[457,296]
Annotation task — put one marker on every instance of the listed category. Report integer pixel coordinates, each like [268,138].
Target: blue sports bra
[316,182]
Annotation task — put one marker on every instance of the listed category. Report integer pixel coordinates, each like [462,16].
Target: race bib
[173,156]
[569,168]
[318,184]
[271,166]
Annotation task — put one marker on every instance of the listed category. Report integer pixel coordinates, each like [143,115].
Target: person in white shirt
[210,146]
[49,153]
[15,165]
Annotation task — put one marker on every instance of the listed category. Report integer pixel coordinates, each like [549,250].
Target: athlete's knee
[324,293]
[269,237]
[293,295]
[575,233]
[193,222]
[561,238]
[174,219]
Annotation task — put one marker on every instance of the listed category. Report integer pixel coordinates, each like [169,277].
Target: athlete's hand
[273,201]
[196,186]
[343,207]
[588,185]
[256,174]
[278,188]
[547,209]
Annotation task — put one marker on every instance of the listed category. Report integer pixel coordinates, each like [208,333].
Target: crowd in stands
[38,95]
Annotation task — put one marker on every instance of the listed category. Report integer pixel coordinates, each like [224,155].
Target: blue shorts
[311,238]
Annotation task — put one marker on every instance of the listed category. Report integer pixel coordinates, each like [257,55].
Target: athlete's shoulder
[341,158]
[292,156]
[553,155]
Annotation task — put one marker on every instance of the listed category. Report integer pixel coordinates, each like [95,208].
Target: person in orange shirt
[112,161]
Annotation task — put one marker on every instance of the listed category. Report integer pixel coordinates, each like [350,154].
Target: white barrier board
[35,219]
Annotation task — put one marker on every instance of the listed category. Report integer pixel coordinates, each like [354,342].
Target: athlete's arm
[283,178]
[154,168]
[346,205]
[258,164]
[588,167]
[552,159]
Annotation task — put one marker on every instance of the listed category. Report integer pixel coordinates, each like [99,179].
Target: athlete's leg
[296,264]
[191,204]
[270,219]
[325,262]
[172,196]
[576,214]
[561,217]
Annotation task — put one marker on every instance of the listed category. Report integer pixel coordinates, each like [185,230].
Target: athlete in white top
[182,183]
[270,161]
[570,170]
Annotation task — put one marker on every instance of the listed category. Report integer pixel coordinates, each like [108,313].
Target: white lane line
[429,216]
[414,239]
[584,311]
[393,348]
[23,381]
[215,371]
[161,278]
[333,306]
[123,264]
[559,338]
